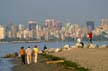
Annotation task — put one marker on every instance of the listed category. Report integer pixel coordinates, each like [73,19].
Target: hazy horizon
[77,11]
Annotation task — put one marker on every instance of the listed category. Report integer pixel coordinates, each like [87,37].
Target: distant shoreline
[49,41]
[21,42]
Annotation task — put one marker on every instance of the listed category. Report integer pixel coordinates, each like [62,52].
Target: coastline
[94,59]
[40,66]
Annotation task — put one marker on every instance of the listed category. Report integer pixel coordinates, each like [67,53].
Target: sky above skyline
[77,11]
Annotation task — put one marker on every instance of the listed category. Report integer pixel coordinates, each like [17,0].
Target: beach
[95,59]
[40,66]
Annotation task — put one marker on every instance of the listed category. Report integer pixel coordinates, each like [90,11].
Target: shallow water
[5,65]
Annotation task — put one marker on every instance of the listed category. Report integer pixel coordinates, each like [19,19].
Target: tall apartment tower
[13,31]
[104,24]
[32,25]
[2,32]
[58,24]
[49,23]
[20,27]
[53,24]
[90,25]
[32,29]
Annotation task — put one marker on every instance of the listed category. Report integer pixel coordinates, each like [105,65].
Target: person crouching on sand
[35,53]
[22,54]
[28,52]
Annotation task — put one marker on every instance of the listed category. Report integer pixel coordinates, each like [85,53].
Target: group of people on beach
[28,54]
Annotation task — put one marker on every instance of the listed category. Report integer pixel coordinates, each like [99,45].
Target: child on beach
[22,54]
[35,53]
[28,52]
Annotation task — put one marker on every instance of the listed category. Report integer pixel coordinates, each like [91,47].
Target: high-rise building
[13,31]
[20,32]
[90,25]
[49,23]
[75,28]
[26,34]
[104,24]
[45,33]
[20,27]
[58,24]
[32,29]
[2,32]
[32,25]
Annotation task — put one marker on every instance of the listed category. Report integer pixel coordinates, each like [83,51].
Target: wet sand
[95,59]
[40,66]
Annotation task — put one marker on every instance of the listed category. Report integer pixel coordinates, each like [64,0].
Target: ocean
[6,48]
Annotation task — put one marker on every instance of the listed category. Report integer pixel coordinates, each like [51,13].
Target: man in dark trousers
[90,36]
[22,54]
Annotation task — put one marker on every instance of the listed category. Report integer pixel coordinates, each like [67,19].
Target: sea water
[5,65]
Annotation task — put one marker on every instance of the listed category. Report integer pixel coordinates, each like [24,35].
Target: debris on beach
[53,62]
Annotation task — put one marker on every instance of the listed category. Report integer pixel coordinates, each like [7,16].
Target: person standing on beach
[79,41]
[90,35]
[44,48]
[28,52]
[35,53]
[22,54]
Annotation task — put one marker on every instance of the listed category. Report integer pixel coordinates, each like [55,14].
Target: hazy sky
[77,11]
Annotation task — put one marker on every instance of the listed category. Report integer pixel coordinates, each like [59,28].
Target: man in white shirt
[28,52]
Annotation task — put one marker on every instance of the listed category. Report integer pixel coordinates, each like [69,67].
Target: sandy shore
[40,66]
[95,59]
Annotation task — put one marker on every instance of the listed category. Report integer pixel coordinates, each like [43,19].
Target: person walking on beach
[28,52]
[22,54]
[35,53]
[90,35]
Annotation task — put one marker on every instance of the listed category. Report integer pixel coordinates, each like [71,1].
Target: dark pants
[23,59]
[90,40]
[82,44]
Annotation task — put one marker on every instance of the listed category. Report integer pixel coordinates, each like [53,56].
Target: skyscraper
[32,25]
[32,28]
[13,31]
[90,25]
[49,23]
[104,25]
[58,24]
[20,27]
[2,32]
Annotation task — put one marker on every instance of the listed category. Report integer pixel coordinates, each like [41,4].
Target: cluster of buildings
[52,29]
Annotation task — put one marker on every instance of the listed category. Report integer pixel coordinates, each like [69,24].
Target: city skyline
[75,11]
[53,29]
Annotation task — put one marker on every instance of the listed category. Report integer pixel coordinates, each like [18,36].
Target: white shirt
[28,51]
